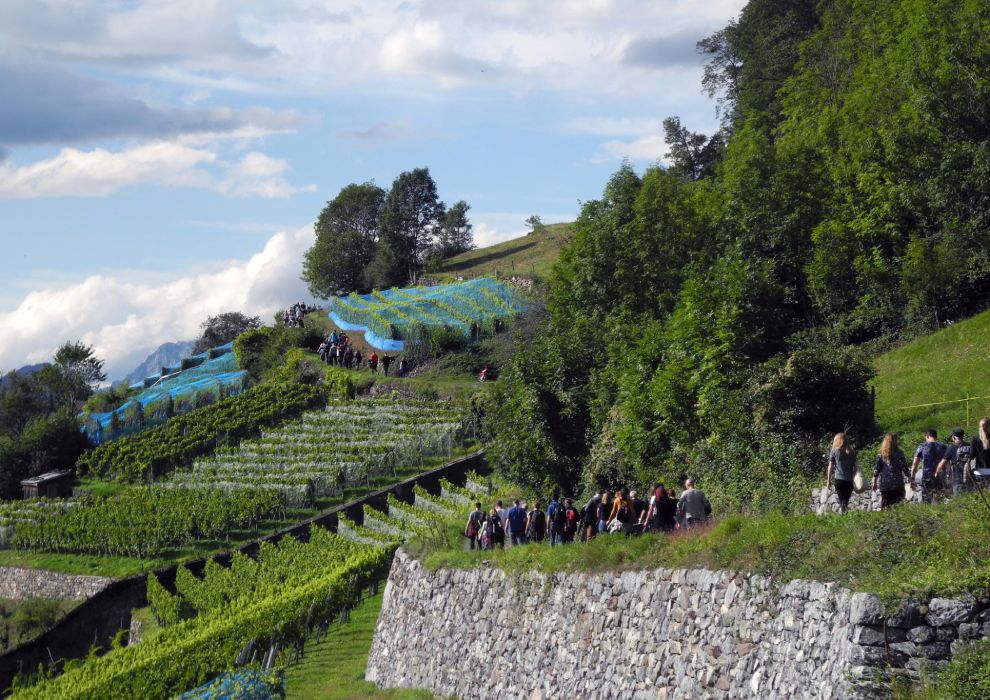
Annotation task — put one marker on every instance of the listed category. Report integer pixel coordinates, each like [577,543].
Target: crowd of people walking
[336,349]
[605,513]
[294,315]
[936,468]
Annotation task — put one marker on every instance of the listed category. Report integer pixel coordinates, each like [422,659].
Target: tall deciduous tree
[346,236]
[411,219]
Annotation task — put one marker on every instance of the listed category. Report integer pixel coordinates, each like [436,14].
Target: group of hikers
[935,469]
[294,315]
[605,513]
[336,349]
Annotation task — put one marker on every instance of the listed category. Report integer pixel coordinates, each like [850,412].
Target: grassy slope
[333,669]
[529,255]
[947,365]
[908,550]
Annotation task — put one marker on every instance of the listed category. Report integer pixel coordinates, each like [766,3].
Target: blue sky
[163,161]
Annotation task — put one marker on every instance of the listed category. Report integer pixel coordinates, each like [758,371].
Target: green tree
[223,328]
[456,232]
[692,155]
[411,218]
[346,238]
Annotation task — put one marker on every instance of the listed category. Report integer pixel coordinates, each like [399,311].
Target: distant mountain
[167,355]
[24,371]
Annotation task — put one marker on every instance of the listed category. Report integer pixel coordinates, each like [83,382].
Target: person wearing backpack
[570,521]
[955,462]
[536,524]
[554,535]
[890,473]
[601,514]
[621,517]
[472,530]
[928,455]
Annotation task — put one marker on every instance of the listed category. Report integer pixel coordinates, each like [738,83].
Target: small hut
[56,484]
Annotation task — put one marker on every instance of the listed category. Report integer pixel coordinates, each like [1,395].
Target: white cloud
[650,148]
[125,319]
[259,175]
[99,172]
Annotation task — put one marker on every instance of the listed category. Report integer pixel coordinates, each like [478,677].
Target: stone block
[865,609]
[868,635]
[969,630]
[921,635]
[937,651]
[949,611]
[946,633]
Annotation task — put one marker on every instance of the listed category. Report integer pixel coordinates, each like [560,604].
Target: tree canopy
[222,329]
[367,237]
[715,318]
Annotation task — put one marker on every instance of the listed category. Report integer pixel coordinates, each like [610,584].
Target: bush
[260,351]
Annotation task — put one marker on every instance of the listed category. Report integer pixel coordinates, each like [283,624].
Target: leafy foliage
[714,319]
[222,329]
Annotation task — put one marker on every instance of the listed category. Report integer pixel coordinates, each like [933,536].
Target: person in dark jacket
[536,524]
[891,472]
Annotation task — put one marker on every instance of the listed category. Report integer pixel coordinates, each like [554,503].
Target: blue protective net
[464,307]
[200,380]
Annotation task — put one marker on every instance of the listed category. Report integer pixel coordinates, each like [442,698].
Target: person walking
[621,517]
[516,518]
[571,521]
[373,362]
[496,531]
[955,462]
[589,516]
[841,470]
[603,510]
[554,535]
[472,529]
[403,367]
[386,363]
[891,472]
[693,508]
[928,455]
[536,524]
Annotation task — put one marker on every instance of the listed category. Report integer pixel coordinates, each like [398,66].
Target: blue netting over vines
[468,308]
[200,380]
[244,684]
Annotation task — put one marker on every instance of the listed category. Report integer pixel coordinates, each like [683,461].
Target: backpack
[570,518]
[537,524]
[622,515]
[960,463]
[559,518]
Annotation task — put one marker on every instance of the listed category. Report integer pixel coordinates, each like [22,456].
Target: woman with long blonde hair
[891,472]
[841,469]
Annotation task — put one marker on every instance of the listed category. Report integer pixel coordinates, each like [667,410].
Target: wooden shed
[56,484]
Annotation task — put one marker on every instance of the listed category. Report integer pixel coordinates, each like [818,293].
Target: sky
[162,161]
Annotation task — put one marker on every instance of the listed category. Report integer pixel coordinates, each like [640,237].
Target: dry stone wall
[656,635]
[18,584]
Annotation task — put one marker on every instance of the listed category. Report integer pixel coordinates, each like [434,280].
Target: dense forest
[716,317]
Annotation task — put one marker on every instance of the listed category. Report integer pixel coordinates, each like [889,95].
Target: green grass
[527,256]
[908,550]
[944,366]
[333,669]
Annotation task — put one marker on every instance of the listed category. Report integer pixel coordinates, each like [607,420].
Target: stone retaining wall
[19,584]
[654,635]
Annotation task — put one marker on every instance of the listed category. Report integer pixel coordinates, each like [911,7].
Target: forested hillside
[718,317]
